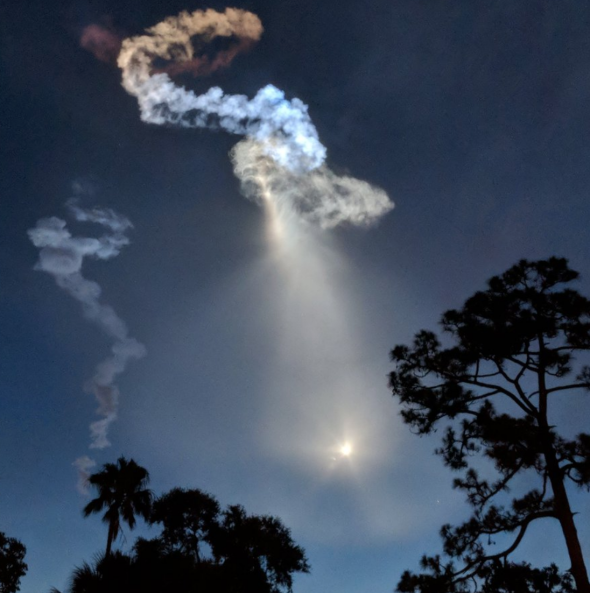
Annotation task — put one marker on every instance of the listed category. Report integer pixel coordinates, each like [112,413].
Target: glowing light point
[346,450]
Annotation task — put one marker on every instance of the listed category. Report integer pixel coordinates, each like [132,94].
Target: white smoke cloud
[275,127]
[318,196]
[62,256]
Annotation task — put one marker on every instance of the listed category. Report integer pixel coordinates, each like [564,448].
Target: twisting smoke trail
[281,166]
[276,128]
[268,115]
[62,256]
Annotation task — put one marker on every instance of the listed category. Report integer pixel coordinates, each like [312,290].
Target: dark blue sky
[472,116]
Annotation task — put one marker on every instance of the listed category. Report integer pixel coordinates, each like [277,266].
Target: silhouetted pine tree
[492,381]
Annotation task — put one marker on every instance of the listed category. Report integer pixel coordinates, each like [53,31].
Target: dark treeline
[12,563]
[200,548]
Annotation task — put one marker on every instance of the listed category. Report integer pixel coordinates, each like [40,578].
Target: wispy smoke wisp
[101,41]
[83,464]
[62,256]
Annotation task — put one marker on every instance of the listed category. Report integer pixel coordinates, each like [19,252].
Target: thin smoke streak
[61,255]
[83,464]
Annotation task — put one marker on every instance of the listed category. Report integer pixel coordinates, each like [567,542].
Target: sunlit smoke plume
[62,256]
[319,196]
[267,115]
[275,127]
[101,41]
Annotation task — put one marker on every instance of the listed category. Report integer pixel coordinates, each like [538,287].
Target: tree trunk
[110,538]
[562,503]
[566,519]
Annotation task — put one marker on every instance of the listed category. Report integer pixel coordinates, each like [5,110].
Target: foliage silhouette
[257,551]
[200,549]
[188,518]
[510,350]
[496,576]
[12,563]
[122,491]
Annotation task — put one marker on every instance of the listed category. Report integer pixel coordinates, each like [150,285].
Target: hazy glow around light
[346,450]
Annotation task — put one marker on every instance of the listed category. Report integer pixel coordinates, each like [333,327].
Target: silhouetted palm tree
[122,491]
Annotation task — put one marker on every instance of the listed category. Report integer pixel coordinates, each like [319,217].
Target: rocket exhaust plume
[281,164]
[282,151]
[62,256]
[267,115]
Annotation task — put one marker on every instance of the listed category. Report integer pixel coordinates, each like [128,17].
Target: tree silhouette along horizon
[201,548]
[12,563]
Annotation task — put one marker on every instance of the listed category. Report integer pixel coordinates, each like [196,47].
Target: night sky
[472,116]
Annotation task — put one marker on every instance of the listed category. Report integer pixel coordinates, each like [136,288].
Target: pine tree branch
[566,387]
[526,403]
[501,485]
[476,564]
[497,389]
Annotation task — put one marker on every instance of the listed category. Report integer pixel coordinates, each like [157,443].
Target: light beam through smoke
[62,256]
